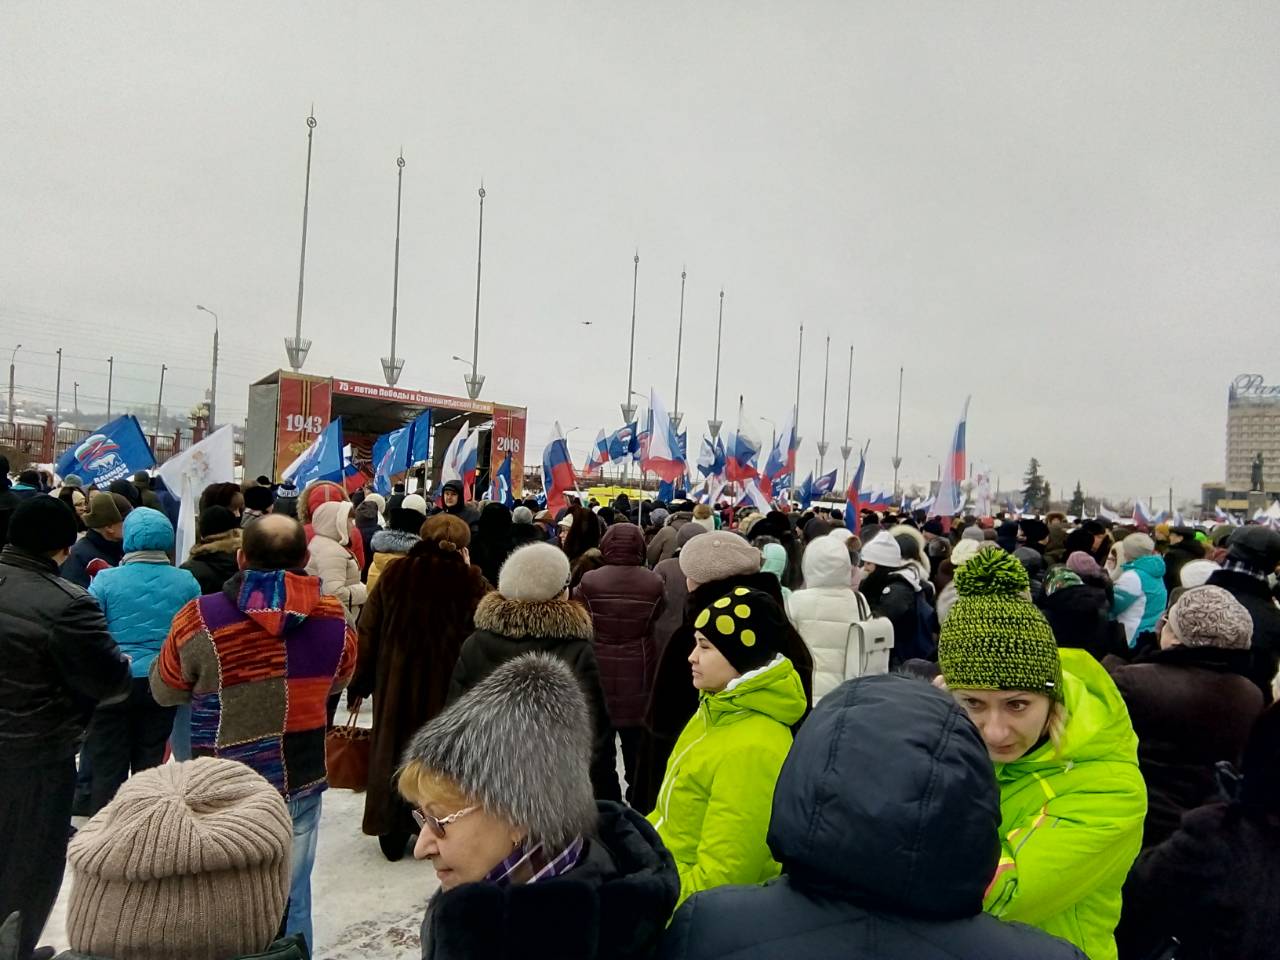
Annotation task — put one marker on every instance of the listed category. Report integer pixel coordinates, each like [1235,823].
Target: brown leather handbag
[346,753]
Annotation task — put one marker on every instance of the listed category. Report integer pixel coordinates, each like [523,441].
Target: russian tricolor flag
[557,470]
[662,455]
[853,497]
[598,456]
[461,461]
[950,501]
[741,453]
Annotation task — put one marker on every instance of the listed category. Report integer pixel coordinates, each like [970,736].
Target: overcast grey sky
[1068,210]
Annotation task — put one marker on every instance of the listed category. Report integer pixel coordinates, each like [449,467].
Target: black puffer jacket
[1255,595]
[506,629]
[612,906]
[1079,616]
[889,865]
[57,661]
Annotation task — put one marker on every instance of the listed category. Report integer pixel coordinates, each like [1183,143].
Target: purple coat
[624,600]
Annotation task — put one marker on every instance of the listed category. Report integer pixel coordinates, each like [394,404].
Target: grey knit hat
[189,860]
[519,743]
[1211,617]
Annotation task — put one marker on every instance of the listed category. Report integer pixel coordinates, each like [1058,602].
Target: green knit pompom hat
[994,637]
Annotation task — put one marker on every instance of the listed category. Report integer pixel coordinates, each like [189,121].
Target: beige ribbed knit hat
[189,860]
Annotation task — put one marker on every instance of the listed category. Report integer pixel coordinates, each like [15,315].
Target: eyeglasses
[436,826]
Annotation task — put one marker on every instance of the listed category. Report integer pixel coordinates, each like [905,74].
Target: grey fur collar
[393,541]
[545,618]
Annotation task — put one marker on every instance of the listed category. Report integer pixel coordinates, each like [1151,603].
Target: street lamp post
[826,375]
[12,360]
[295,346]
[846,448]
[676,415]
[75,400]
[213,384]
[629,408]
[714,423]
[391,367]
[476,381]
[897,439]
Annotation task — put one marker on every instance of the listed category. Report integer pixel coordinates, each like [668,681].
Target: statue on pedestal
[1255,473]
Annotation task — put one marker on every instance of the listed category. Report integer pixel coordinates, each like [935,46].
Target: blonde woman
[1072,799]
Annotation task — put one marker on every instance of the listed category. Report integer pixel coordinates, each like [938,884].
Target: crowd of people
[639,729]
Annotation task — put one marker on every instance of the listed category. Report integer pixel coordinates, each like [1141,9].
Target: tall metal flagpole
[826,375]
[629,408]
[57,398]
[476,380]
[111,376]
[160,402]
[799,356]
[676,415]
[714,423]
[295,346]
[897,460]
[846,448]
[391,366]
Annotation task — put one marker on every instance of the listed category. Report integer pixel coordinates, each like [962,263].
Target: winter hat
[973,533]
[1161,532]
[447,532]
[1255,547]
[70,481]
[416,503]
[216,520]
[965,551]
[43,524]
[534,573]
[1137,545]
[688,532]
[745,626]
[883,551]
[1060,578]
[131,494]
[717,556]
[377,500]
[522,515]
[1084,565]
[994,638]
[658,517]
[455,486]
[259,498]
[189,860]
[103,512]
[519,744]
[933,526]
[566,522]
[1211,617]
[1196,573]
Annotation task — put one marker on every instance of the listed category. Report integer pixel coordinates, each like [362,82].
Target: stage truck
[288,410]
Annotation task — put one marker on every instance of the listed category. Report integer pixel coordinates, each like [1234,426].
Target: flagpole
[897,460]
[826,376]
[714,423]
[476,380]
[629,408]
[676,415]
[390,366]
[795,422]
[295,346]
[846,449]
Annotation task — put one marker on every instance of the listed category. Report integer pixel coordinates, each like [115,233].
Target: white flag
[212,460]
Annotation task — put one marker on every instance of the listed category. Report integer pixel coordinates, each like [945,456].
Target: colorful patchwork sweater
[257,662]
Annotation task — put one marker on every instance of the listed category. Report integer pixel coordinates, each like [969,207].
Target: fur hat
[717,556]
[447,532]
[994,638]
[519,743]
[534,573]
[1196,573]
[1137,545]
[522,514]
[189,860]
[966,550]
[416,503]
[883,551]
[43,524]
[1211,617]
[1255,547]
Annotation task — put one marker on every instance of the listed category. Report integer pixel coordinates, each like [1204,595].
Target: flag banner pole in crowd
[461,460]
[115,451]
[188,473]
[598,456]
[662,454]
[323,460]
[950,500]
[558,476]
[852,496]
[500,490]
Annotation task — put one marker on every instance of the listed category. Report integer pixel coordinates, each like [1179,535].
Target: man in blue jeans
[257,662]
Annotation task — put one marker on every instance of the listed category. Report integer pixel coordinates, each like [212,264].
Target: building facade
[1253,428]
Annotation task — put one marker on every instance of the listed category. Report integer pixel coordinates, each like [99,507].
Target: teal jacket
[140,597]
[1150,570]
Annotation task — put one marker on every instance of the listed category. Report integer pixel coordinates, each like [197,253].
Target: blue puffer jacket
[1150,570]
[140,596]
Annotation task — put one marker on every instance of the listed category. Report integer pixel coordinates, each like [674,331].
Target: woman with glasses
[528,862]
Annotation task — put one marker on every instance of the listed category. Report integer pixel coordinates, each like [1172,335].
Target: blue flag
[805,492]
[666,491]
[824,484]
[390,458]
[420,438]
[114,452]
[501,489]
[624,442]
[322,460]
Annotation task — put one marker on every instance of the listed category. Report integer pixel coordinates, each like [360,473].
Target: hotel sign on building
[1253,428]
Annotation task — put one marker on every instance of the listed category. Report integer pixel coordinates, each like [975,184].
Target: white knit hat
[534,573]
[415,502]
[883,551]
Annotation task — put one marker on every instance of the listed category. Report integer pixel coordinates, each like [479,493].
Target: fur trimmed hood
[228,542]
[542,618]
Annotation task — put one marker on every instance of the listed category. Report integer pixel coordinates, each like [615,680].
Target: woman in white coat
[824,612]
[332,561]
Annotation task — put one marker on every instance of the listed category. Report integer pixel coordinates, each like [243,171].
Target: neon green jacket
[714,805]
[1071,823]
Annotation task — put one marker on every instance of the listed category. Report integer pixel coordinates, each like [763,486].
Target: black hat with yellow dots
[745,625]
